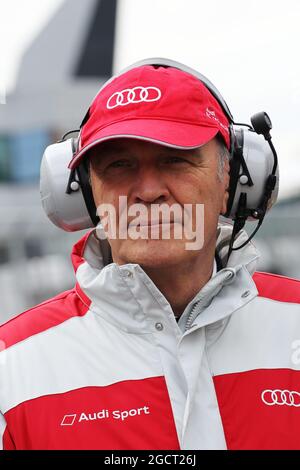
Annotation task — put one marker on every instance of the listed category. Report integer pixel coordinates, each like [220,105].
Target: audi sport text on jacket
[106,365]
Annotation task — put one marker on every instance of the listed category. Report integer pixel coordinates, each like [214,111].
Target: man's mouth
[151,223]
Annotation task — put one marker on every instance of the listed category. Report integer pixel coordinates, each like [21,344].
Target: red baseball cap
[164,105]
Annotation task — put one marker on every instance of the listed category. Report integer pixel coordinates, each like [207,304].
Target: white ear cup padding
[259,160]
[66,211]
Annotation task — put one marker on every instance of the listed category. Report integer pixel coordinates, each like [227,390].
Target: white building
[59,75]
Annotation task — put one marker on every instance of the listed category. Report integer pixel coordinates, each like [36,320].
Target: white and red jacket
[106,365]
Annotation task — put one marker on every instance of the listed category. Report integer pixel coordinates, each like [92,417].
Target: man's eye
[119,164]
[175,160]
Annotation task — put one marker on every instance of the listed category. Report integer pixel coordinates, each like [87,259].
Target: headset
[67,197]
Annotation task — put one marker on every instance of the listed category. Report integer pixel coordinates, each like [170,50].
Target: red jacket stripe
[36,320]
[260,408]
[275,287]
[134,414]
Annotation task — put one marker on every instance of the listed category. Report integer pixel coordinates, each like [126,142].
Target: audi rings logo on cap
[281,397]
[137,94]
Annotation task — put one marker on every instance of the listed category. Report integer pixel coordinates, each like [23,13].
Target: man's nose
[150,187]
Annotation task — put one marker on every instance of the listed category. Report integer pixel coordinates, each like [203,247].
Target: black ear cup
[84,179]
[234,164]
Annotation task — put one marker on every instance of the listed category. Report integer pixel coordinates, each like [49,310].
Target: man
[164,343]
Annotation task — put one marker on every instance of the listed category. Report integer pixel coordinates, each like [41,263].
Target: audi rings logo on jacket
[281,397]
[137,94]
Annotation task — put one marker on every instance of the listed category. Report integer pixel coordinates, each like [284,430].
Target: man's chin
[154,253]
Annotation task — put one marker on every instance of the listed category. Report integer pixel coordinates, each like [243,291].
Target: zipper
[209,291]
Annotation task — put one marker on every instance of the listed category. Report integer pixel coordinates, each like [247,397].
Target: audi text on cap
[159,104]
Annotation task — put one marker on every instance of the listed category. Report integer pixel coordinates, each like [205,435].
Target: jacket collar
[127,297]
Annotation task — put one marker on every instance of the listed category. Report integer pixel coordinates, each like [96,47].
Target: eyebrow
[192,152]
[103,152]
[106,151]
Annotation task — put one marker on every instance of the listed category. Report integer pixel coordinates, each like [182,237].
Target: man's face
[152,175]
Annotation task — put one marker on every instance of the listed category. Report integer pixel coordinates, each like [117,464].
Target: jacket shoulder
[275,287]
[42,317]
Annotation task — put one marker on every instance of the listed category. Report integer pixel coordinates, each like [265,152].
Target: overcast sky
[249,50]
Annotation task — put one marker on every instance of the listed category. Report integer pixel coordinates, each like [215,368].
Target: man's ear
[225,202]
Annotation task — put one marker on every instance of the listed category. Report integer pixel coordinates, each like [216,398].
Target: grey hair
[224,156]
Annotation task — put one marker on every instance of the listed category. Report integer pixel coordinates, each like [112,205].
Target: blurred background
[56,54]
